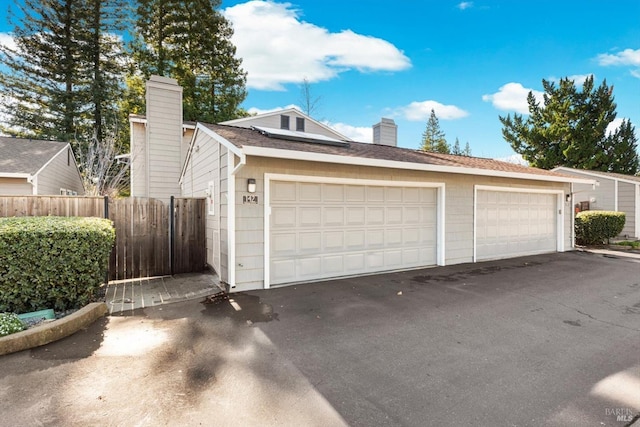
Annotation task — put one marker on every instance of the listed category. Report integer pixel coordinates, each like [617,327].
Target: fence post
[106,215]
[171,232]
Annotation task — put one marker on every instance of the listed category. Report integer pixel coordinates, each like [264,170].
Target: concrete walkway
[124,297]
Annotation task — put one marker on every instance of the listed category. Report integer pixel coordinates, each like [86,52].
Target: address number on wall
[250,199]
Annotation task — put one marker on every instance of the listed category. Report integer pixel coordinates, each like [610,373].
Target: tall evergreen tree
[569,129]
[433,138]
[467,150]
[190,41]
[62,74]
[456,148]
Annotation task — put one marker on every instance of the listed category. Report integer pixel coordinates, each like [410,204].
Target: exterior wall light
[251,185]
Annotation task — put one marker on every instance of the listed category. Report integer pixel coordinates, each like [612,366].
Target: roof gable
[26,156]
[269,120]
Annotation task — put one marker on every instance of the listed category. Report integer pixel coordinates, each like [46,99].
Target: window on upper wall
[69,157]
[300,124]
[284,122]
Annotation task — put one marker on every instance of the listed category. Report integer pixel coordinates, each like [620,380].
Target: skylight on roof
[293,135]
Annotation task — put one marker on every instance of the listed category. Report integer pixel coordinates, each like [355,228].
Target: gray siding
[15,187]
[603,193]
[138,160]
[459,190]
[61,172]
[203,168]
[627,204]
[164,136]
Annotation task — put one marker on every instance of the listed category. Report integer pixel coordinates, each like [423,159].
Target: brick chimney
[385,132]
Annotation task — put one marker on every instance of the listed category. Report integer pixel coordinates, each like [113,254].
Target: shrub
[10,323]
[52,262]
[597,227]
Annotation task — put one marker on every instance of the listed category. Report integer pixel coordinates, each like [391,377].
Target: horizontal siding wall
[203,168]
[15,187]
[60,173]
[459,190]
[627,204]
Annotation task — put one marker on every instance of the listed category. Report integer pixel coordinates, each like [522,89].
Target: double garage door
[324,230]
[511,224]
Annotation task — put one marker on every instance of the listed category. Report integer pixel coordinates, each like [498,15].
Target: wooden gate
[150,241]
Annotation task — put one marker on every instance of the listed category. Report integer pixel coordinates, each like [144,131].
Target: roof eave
[394,164]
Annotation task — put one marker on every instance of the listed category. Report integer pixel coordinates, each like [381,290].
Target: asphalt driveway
[551,340]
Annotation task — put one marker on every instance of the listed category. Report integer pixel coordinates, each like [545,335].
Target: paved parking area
[551,340]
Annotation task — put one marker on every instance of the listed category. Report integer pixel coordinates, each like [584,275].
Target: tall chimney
[385,132]
[164,136]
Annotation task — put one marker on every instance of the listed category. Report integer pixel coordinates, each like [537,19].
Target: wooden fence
[149,240]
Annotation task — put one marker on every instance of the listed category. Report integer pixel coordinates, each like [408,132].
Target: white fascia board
[595,175]
[138,120]
[15,175]
[393,164]
[201,128]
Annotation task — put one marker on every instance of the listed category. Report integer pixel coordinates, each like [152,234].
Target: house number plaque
[250,199]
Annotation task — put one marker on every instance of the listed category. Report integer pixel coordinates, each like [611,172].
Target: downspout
[33,180]
[231,214]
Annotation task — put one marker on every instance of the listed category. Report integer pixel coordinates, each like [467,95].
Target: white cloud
[6,39]
[578,79]
[278,48]
[512,97]
[514,158]
[613,126]
[465,5]
[359,134]
[421,110]
[627,57]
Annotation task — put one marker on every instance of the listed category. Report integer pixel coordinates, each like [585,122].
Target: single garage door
[511,224]
[324,230]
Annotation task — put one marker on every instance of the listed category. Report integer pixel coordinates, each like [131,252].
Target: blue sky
[469,61]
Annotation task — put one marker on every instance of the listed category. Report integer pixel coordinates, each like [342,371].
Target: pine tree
[456,148]
[433,138]
[190,41]
[64,72]
[467,150]
[569,129]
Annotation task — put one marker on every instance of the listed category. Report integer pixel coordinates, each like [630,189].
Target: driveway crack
[580,312]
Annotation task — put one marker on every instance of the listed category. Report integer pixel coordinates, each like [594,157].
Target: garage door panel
[355,239]
[283,217]
[356,216]
[310,217]
[310,241]
[284,244]
[375,215]
[332,230]
[309,192]
[510,224]
[333,216]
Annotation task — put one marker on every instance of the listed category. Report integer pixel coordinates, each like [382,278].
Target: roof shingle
[27,156]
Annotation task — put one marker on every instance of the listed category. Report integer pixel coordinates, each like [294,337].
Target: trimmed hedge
[597,227]
[52,262]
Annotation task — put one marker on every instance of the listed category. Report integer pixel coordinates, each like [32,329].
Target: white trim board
[560,194]
[394,164]
[268,177]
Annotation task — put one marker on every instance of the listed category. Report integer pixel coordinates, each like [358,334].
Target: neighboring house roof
[26,156]
[633,179]
[254,142]
[294,111]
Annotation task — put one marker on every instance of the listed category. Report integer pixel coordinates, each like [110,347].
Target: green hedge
[597,227]
[52,262]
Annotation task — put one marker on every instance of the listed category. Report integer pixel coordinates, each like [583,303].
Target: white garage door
[511,224]
[320,230]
